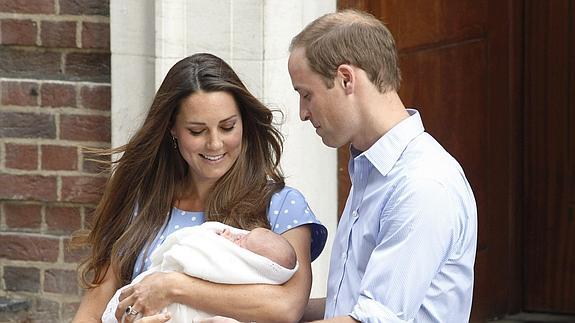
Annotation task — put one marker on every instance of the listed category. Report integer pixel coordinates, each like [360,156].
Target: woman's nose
[215,142]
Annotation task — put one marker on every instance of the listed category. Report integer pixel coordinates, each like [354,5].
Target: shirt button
[343,255]
[354,214]
[334,298]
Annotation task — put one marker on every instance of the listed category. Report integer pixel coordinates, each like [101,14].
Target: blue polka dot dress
[288,209]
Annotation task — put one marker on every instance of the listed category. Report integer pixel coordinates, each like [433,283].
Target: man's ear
[346,78]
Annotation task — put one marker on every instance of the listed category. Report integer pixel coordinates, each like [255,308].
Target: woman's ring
[131,311]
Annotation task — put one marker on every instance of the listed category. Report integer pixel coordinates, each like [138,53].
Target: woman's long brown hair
[150,174]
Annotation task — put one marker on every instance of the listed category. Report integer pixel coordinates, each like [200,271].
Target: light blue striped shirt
[405,246]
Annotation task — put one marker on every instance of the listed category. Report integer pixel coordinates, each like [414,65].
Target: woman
[207,151]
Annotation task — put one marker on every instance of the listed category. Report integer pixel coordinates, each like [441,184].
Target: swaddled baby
[218,253]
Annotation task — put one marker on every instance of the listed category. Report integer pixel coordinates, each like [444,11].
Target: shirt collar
[385,152]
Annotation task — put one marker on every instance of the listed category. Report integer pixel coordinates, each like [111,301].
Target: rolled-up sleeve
[368,310]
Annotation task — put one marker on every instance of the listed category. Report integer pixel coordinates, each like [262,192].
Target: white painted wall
[148,37]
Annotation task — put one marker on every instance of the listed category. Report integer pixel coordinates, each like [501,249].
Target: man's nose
[303,112]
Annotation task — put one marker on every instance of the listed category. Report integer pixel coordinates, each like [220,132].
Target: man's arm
[401,268]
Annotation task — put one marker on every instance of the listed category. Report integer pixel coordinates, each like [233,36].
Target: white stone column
[309,165]
[132,42]
[253,36]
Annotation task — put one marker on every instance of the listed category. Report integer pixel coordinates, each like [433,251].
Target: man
[405,246]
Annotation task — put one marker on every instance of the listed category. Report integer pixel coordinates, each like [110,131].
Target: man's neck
[380,113]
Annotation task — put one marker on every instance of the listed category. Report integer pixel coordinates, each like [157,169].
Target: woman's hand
[146,297]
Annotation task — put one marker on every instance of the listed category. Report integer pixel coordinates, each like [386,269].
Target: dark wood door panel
[462,64]
[448,85]
[417,23]
[481,309]
[549,231]
[425,23]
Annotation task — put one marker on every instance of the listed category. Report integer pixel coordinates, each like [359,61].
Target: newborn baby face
[239,239]
[265,243]
[252,240]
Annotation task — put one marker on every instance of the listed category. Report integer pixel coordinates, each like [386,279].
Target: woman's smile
[213,158]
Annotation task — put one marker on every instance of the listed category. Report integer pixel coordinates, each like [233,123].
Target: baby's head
[266,243]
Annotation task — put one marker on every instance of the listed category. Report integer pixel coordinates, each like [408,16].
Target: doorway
[495,82]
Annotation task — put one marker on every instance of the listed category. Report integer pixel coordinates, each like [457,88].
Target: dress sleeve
[288,209]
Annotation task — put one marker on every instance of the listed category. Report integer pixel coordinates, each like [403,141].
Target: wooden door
[459,68]
[549,156]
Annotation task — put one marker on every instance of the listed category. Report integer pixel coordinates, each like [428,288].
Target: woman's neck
[190,204]
[193,199]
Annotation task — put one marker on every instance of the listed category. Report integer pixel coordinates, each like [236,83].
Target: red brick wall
[54,99]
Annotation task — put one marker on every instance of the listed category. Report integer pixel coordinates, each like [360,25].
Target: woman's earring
[175,142]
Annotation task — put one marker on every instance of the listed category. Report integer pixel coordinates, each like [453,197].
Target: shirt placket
[359,184]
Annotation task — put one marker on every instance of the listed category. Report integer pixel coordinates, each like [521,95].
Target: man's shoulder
[425,156]
[425,163]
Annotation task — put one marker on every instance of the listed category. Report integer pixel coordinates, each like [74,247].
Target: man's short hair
[351,37]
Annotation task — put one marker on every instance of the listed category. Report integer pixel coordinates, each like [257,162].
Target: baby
[218,253]
[265,243]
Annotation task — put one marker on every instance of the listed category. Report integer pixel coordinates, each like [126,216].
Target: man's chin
[330,143]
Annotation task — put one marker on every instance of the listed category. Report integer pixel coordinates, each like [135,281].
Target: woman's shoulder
[288,210]
[288,192]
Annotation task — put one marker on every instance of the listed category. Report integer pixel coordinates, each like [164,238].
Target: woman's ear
[346,78]
[173,132]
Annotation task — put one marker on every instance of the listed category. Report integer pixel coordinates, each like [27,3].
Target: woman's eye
[196,132]
[228,128]
[306,96]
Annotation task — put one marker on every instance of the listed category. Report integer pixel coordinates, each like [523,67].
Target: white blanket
[201,252]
